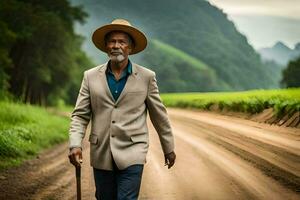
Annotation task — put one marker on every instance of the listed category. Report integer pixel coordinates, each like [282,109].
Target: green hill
[180,55]
[193,26]
[179,72]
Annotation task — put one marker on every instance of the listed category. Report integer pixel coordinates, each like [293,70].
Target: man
[116,96]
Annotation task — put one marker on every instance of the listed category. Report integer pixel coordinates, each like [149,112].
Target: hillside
[180,72]
[195,27]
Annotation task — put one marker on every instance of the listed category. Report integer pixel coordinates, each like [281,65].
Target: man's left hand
[170,159]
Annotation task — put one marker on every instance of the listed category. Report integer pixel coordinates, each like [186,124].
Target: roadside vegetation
[25,130]
[283,101]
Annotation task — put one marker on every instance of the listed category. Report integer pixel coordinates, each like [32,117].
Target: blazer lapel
[103,81]
[131,80]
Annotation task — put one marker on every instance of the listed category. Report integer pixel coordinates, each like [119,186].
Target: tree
[46,50]
[291,75]
[6,40]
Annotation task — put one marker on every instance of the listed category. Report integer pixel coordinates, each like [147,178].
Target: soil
[218,157]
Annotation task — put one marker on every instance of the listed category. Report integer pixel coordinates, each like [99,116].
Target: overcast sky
[264,22]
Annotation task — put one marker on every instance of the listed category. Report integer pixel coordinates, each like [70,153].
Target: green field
[283,101]
[25,130]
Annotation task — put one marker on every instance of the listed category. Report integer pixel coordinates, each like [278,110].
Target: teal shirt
[117,86]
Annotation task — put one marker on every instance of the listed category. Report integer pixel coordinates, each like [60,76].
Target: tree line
[291,74]
[40,54]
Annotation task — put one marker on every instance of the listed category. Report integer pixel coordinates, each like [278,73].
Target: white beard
[118,58]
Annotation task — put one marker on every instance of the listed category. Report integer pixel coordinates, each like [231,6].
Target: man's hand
[75,156]
[170,159]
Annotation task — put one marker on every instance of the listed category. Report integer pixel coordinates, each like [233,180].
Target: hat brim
[140,40]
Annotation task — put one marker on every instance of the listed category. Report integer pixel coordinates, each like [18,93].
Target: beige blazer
[119,129]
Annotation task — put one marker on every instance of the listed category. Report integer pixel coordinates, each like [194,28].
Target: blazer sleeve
[159,117]
[81,115]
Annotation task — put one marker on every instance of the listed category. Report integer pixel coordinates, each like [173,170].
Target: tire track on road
[284,168]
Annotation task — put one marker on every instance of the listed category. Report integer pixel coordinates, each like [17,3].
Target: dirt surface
[218,157]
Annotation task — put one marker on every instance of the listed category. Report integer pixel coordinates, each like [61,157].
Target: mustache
[116,51]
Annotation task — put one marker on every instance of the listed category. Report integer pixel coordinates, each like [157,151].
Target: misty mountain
[267,28]
[280,53]
[194,27]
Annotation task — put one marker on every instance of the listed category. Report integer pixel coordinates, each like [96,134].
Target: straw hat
[139,38]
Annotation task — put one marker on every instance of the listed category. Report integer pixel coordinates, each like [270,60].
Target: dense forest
[41,58]
[196,28]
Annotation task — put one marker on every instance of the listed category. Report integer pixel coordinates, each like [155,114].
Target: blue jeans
[118,184]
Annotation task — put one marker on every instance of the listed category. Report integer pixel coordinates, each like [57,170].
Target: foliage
[255,101]
[43,56]
[6,40]
[291,75]
[25,130]
[180,72]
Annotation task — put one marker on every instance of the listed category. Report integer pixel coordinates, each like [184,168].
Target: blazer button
[113,122]
[112,136]
[115,106]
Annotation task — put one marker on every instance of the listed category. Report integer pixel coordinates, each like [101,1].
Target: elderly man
[115,96]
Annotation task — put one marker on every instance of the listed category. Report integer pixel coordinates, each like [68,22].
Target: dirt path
[219,157]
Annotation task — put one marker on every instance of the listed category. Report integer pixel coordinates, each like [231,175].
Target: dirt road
[218,157]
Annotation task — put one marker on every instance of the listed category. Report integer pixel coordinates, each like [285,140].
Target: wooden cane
[78,181]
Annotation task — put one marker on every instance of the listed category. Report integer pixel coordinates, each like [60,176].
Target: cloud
[264,22]
[287,8]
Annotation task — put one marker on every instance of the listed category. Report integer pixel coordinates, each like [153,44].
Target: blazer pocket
[137,93]
[140,138]
[93,139]
[133,91]
[138,97]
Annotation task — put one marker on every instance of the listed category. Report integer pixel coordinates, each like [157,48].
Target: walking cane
[78,181]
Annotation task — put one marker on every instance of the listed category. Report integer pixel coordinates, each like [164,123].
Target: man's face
[118,46]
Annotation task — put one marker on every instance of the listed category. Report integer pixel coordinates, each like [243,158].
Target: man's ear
[130,48]
[106,47]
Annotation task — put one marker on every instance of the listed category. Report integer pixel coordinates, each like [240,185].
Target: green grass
[25,130]
[283,100]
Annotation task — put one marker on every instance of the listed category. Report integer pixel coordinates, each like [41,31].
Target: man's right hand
[75,156]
